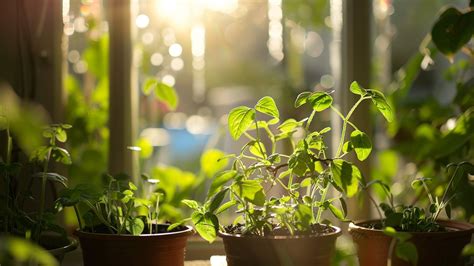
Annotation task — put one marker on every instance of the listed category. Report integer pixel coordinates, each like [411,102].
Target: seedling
[286,192]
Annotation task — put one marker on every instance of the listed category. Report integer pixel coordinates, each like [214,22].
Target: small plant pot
[304,250]
[57,245]
[434,248]
[162,249]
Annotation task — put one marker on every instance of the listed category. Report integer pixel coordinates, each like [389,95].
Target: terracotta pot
[434,248]
[165,249]
[280,250]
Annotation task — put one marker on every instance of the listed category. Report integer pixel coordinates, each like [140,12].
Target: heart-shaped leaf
[220,180]
[240,118]
[206,225]
[361,144]
[167,95]
[320,101]
[250,190]
[267,106]
[356,89]
[381,103]
[452,30]
[346,176]
[302,98]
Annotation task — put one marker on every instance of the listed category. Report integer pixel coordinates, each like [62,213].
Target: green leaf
[132,186]
[452,30]
[206,225]
[346,176]
[407,251]
[347,147]
[302,98]
[257,148]
[80,193]
[191,204]
[356,89]
[468,250]
[135,226]
[361,144]
[306,182]
[149,85]
[250,190]
[339,214]
[304,215]
[240,118]
[300,162]
[344,206]
[167,95]
[320,101]
[213,161]
[267,106]
[220,180]
[53,177]
[453,140]
[217,200]
[61,155]
[26,252]
[61,135]
[288,125]
[226,206]
[175,225]
[382,105]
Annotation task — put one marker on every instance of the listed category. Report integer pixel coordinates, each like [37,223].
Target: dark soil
[378,226]
[316,229]
[156,229]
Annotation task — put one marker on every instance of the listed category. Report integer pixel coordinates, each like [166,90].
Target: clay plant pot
[57,245]
[162,249]
[305,250]
[434,248]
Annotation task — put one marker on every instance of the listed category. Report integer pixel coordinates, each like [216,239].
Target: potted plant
[118,226]
[18,218]
[280,197]
[410,235]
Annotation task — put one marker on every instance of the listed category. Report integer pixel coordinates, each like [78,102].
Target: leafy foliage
[429,133]
[15,219]
[118,208]
[400,220]
[305,174]
[23,251]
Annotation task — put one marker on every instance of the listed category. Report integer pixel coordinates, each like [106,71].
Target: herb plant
[15,218]
[416,219]
[398,221]
[121,208]
[286,193]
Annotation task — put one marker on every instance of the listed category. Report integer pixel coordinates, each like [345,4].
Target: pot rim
[64,249]
[183,233]
[337,233]
[457,228]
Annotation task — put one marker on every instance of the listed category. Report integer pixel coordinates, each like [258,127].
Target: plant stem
[446,191]
[320,209]
[310,119]
[43,193]
[78,217]
[344,125]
